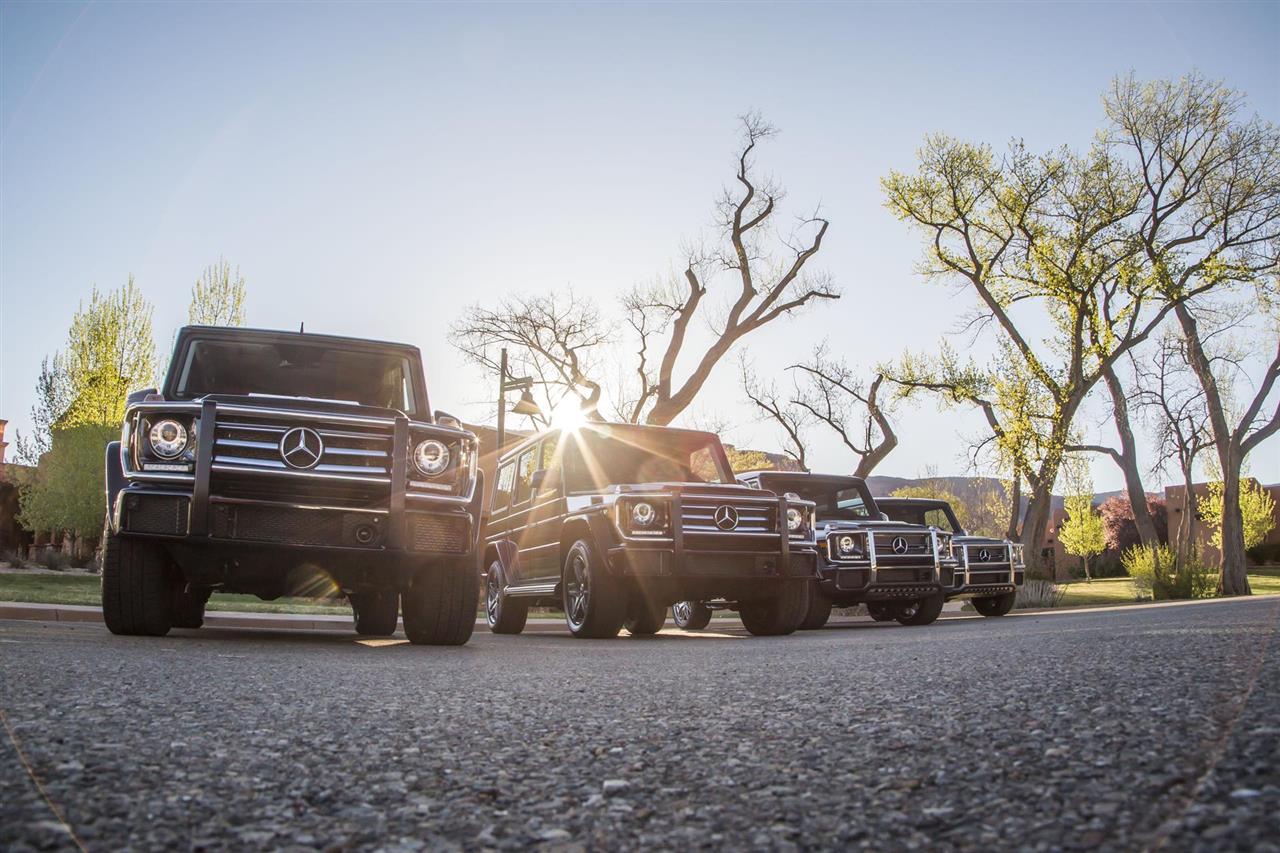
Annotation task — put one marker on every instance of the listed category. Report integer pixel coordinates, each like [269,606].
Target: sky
[375,169]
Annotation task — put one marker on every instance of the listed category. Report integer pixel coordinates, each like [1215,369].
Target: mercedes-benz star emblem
[899,545]
[301,447]
[984,556]
[726,517]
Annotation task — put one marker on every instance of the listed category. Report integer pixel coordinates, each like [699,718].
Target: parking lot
[1119,728]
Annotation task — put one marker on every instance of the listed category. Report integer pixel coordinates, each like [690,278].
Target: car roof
[805,477]
[242,333]
[605,427]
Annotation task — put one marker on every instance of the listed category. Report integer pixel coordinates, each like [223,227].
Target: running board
[532,590]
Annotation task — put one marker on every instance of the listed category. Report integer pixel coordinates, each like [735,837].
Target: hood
[719,490]
[978,540]
[303,404]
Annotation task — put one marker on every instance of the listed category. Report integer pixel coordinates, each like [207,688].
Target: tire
[777,616]
[594,605]
[376,613]
[691,615]
[996,605]
[439,607]
[137,586]
[819,609]
[505,615]
[644,617]
[883,611]
[187,606]
[922,612]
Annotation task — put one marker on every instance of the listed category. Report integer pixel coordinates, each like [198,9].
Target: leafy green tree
[53,398]
[65,492]
[217,299]
[109,353]
[1082,534]
[1257,510]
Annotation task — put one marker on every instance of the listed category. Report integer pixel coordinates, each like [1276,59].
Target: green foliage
[109,353]
[936,491]
[1256,506]
[217,299]
[1156,575]
[52,400]
[66,491]
[1082,534]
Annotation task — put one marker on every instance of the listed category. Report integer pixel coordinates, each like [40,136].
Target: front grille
[916,545]
[904,575]
[157,514]
[255,444]
[699,516]
[438,533]
[984,577]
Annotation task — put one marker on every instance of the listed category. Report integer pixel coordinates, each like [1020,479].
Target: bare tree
[1168,393]
[770,281]
[1210,208]
[556,339]
[828,393]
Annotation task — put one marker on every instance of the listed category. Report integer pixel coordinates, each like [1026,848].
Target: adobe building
[1176,500]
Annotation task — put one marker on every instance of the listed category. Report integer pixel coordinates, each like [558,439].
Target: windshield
[313,371]
[595,459]
[851,503]
[928,515]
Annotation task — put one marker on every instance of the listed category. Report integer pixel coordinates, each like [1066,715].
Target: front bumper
[1000,573]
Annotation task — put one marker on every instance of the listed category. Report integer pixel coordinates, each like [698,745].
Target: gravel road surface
[1122,729]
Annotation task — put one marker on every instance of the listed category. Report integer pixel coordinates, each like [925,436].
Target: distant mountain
[965,488]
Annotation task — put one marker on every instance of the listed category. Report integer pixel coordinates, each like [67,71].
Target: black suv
[274,463]
[990,570]
[897,570]
[615,522]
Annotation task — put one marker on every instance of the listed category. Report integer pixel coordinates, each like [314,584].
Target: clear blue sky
[373,169]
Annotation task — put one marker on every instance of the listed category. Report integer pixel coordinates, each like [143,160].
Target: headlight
[795,519]
[846,545]
[168,438]
[643,514]
[431,457]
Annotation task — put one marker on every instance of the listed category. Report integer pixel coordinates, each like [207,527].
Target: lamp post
[526,405]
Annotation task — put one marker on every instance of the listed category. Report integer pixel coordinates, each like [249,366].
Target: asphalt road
[1120,729]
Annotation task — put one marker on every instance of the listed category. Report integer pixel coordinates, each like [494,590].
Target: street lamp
[526,405]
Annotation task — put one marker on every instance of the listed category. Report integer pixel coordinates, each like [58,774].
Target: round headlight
[845,544]
[168,438]
[431,457]
[643,514]
[795,519]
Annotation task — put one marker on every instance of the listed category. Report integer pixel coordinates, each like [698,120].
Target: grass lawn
[86,589]
[1122,590]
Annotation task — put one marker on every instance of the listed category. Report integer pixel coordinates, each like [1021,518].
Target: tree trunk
[1033,533]
[1233,580]
[1015,507]
[1186,523]
[1127,459]
[1087,577]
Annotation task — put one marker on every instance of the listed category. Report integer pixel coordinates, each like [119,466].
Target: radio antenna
[302,328]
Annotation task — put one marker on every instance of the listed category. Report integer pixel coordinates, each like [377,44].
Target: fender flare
[115,482]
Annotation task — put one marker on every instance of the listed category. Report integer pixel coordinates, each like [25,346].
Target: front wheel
[883,611]
[187,606]
[440,604]
[819,609]
[594,606]
[137,586]
[777,616]
[376,613]
[504,614]
[645,618]
[691,615]
[922,612]
[997,605]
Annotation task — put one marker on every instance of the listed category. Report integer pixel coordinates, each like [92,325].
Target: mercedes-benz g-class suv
[897,570]
[613,523]
[989,571]
[278,463]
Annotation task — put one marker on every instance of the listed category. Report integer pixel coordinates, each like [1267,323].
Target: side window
[938,518]
[550,463]
[502,486]
[524,475]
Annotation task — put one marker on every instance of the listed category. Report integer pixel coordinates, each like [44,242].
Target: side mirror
[536,481]
[445,419]
[884,516]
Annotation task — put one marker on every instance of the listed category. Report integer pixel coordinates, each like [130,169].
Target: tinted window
[938,518]
[550,463]
[524,475]
[597,459]
[502,486]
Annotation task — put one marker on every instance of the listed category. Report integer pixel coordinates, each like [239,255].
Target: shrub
[1156,577]
[53,560]
[1039,593]
[1266,554]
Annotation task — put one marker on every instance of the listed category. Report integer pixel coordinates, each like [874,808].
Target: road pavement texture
[1122,728]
